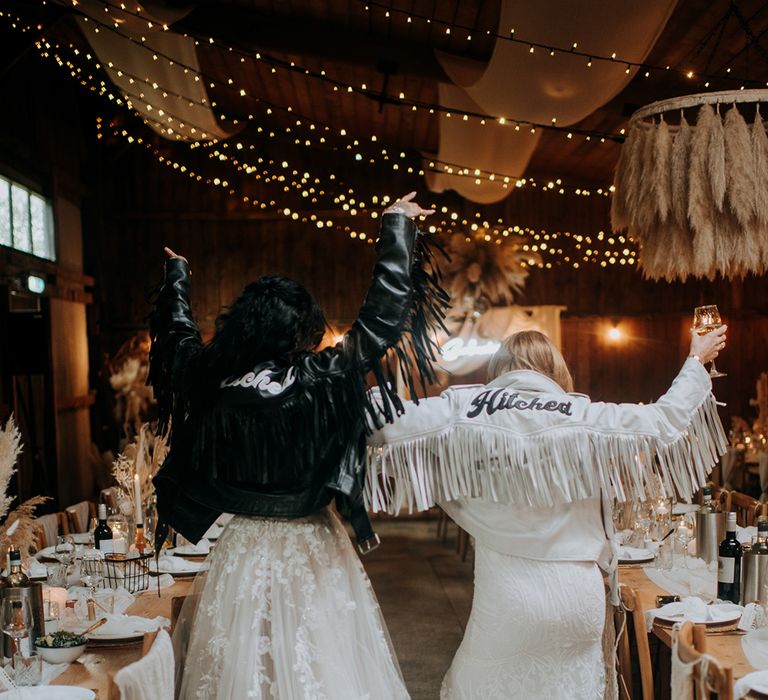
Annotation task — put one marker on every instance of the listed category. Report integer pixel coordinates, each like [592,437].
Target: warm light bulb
[614,333]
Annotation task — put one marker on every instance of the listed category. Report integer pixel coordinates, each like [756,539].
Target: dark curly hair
[274,319]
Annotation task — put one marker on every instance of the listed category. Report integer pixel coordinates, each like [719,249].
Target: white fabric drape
[151,677]
[538,87]
[189,116]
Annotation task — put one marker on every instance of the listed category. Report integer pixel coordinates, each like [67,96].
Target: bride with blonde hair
[531,470]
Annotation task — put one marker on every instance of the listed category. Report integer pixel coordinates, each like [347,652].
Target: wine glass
[18,624]
[705,320]
[684,535]
[92,569]
[64,551]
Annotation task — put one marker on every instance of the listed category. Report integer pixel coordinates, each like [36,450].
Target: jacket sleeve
[403,304]
[668,418]
[175,336]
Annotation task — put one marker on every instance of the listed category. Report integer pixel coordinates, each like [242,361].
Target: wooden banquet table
[92,668]
[724,646]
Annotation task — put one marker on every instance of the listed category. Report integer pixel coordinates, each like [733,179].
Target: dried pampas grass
[143,456]
[23,533]
[739,169]
[661,175]
[695,198]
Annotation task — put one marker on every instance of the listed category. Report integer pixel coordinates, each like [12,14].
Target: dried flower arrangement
[18,525]
[143,456]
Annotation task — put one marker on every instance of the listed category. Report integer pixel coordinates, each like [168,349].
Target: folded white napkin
[171,565]
[214,531]
[693,609]
[122,599]
[633,553]
[755,647]
[224,519]
[757,680]
[37,569]
[745,534]
[202,547]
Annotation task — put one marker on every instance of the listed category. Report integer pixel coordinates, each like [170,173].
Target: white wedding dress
[286,613]
[537,621]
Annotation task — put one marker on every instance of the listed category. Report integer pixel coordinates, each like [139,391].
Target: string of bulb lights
[504,180]
[586,250]
[646,69]
[337,84]
[539,241]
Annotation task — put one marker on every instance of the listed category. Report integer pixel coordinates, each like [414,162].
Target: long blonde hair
[531,350]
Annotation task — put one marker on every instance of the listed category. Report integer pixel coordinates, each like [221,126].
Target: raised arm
[403,303]
[175,335]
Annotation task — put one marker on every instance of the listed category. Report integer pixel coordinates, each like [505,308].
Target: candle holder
[141,542]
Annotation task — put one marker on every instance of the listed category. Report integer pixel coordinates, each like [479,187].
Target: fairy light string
[337,84]
[573,50]
[586,249]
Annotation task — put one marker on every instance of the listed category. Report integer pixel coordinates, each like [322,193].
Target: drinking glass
[684,535]
[92,569]
[705,320]
[27,670]
[64,551]
[18,624]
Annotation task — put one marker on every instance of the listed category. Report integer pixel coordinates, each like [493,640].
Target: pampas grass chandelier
[691,186]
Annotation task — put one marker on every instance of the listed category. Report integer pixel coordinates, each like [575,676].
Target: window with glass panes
[26,220]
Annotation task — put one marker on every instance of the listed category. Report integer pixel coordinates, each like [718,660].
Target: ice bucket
[754,576]
[710,532]
[33,594]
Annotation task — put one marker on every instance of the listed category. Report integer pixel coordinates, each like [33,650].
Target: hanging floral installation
[479,275]
[17,527]
[143,456]
[694,194]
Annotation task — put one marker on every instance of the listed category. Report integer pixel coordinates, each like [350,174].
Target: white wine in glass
[705,320]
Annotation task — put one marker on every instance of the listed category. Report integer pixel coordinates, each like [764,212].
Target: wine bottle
[707,506]
[729,563]
[16,577]
[102,535]
[761,543]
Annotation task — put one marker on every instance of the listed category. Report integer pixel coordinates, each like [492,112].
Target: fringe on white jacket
[522,439]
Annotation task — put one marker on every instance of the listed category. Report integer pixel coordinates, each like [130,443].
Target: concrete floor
[425,592]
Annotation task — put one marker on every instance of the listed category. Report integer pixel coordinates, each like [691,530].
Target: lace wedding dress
[286,613]
[535,632]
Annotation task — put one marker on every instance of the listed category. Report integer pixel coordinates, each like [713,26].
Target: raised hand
[707,347]
[406,205]
[171,255]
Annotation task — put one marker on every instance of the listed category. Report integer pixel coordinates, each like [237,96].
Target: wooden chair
[631,604]
[47,528]
[109,497]
[715,678]
[80,514]
[747,509]
[149,640]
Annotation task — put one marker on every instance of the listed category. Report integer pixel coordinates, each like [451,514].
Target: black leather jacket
[283,441]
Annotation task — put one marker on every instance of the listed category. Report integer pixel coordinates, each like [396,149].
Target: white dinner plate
[731,616]
[122,637]
[639,556]
[50,692]
[189,551]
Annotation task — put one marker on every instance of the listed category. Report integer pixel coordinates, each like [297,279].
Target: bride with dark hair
[265,427]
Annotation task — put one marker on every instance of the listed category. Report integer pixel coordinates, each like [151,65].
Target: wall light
[35,284]
[614,333]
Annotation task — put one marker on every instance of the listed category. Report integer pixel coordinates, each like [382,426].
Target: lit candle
[137,498]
